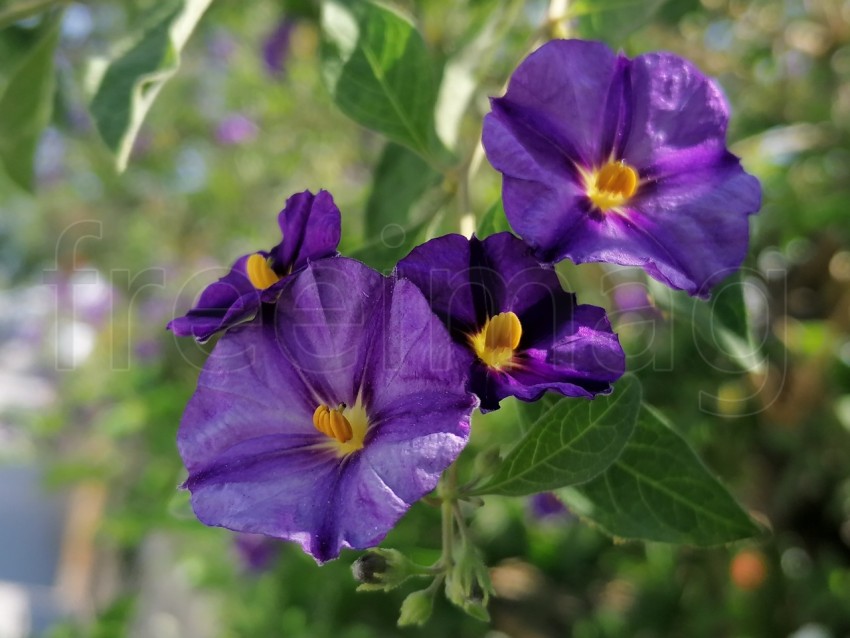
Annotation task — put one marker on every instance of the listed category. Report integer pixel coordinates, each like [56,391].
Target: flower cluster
[336,396]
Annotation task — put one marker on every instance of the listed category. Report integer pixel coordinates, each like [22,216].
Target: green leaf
[659,490]
[380,74]
[132,80]
[23,9]
[493,221]
[612,20]
[722,320]
[572,442]
[383,252]
[401,178]
[26,104]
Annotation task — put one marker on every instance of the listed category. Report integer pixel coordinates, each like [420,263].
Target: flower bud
[416,608]
[382,570]
[468,583]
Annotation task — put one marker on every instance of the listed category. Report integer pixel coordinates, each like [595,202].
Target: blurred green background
[94,263]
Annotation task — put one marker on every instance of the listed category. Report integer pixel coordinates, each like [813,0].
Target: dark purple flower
[323,423]
[235,129]
[310,225]
[622,161]
[527,333]
[546,505]
[276,47]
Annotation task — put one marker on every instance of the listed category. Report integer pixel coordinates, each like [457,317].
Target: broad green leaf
[722,320]
[132,80]
[26,104]
[22,9]
[380,74]
[383,252]
[401,178]
[572,442]
[659,490]
[612,20]
[493,221]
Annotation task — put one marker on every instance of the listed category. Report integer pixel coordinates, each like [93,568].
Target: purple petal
[556,95]
[311,230]
[224,303]
[678,117]
[276,47]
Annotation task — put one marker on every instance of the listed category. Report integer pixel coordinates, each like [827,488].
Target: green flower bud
[382,570]
[416,608]
[468,583]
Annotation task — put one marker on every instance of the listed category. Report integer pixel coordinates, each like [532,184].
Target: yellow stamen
[612,185]
[348,432]
[260,273]
[497,341]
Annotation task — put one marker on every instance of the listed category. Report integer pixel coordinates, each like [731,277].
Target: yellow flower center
[260,272]
[612,185]
[346,432]
[496,342]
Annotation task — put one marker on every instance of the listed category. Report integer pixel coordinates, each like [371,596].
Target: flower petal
[311,230]
[224,303]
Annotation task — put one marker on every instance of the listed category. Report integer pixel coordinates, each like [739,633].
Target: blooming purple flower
[527,333]
[310,225]
[622,161]
[325,423]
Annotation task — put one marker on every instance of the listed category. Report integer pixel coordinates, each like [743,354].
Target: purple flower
[323,423]
[255,551]
[546,505]
[527,333]
[276,47]
[622,161]
[235,129]
[310,225]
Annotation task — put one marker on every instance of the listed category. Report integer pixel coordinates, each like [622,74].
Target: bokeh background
[97,541]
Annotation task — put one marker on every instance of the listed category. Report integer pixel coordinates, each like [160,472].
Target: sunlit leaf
[133,79]
[722,320]
[572,442]
[493,221]
[380,73]
[401,178]
[23,9]
[612,20]
[26,104]
[659,490]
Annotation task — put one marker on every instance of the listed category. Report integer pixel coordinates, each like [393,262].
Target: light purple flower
[310,228]
[325,422]
[528,334]
[235,129]
[622,161]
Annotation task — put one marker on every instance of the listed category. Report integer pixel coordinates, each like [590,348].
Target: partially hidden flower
[323,424]
[256,552]
[277,45]
[527,333]
[310,227]
[622,161]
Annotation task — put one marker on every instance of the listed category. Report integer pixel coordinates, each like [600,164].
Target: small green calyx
[416,608]
[383,570]
[468,583]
